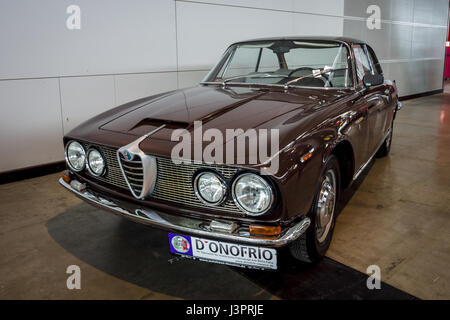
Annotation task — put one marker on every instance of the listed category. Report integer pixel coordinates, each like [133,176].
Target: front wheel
[314,243]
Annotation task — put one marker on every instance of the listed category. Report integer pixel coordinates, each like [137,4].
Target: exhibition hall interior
[93,207]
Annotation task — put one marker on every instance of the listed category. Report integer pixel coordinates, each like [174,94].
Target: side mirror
[370,80]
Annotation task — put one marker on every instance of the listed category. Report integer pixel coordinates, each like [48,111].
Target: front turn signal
[66,176]
[264,230]
[307,155]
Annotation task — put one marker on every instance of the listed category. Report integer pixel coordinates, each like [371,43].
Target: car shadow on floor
[140,255]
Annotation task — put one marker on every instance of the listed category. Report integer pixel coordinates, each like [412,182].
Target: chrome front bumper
[188,226]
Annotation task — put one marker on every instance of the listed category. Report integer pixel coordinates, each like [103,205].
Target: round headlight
[210,188]
[75,156]
[252,194]
[96,163]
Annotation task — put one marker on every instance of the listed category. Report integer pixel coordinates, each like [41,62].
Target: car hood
[292,112]
[219,108]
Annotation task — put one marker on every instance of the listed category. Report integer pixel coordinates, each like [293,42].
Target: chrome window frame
[350,55]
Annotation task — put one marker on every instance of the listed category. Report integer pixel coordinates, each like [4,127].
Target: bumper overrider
[189,226]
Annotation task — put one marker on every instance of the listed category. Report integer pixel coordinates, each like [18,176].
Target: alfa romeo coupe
[330,107]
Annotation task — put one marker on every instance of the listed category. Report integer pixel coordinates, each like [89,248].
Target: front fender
[298,184]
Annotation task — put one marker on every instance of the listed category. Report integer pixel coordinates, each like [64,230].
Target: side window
[362,62]
[374,61]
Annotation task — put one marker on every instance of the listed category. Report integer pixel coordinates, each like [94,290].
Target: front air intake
[169,177]
[133,173]
[138,169]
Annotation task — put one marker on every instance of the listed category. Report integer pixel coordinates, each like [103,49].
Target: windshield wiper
[287,84]
[267,75]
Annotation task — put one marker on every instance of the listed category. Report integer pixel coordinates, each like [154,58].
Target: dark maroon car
[321,103]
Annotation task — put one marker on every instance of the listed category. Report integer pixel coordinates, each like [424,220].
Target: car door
[376,99]
[385,110]
[359,135]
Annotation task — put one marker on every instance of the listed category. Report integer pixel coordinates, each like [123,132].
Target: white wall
[53,78]
[410,43]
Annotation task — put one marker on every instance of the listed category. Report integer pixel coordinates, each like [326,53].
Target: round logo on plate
[181,244]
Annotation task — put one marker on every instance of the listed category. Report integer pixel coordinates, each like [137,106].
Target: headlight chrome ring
[99,167]
[219,185]
[263,185]
[75,155]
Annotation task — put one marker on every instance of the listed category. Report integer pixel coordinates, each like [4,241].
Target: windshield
[285,62]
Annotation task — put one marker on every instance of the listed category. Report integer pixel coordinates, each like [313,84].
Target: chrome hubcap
[325,206]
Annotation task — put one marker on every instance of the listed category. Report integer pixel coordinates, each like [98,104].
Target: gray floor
[397,218]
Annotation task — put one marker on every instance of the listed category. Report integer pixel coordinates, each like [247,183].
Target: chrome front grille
[173,183]
[113,174]
[134,172]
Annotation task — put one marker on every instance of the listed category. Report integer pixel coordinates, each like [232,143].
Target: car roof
[349,41]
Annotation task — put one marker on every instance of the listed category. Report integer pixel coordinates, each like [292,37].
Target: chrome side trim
[361,169]
[149,166]
[189,226]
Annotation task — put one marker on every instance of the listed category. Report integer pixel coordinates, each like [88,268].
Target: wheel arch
[345,155]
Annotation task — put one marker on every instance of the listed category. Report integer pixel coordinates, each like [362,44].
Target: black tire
[308,248]
[386,146]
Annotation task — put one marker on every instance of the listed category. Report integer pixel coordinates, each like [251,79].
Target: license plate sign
[223,252]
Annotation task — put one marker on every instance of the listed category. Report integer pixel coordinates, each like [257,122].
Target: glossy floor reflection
[140,255]
[397,218]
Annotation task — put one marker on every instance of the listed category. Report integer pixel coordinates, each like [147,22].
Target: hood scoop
[147,124]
